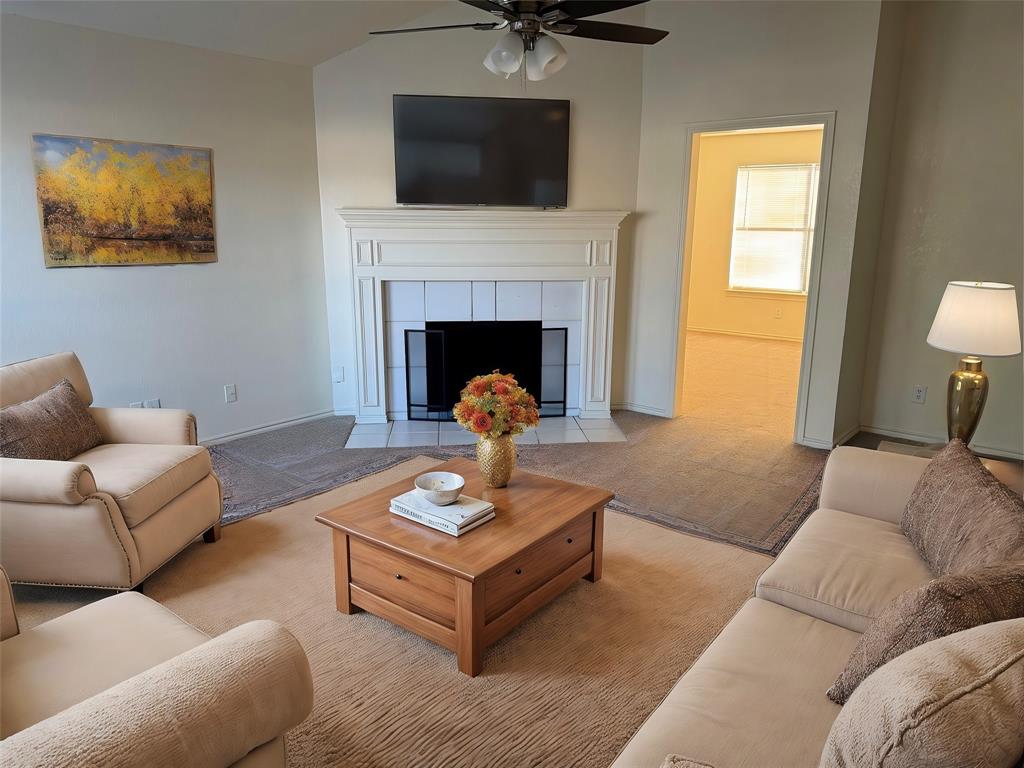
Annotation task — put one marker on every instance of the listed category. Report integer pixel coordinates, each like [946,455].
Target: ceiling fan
[529,24]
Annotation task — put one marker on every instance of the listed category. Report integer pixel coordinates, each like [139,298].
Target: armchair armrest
[870,483]
[155,426]
[8,613]
[45,482]
[206,708]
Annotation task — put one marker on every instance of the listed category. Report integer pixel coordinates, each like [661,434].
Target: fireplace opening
[444,356]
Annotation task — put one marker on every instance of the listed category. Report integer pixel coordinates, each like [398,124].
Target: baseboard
[225,437]
[649,410]
[848,435]
[812,442]
[344,411]
[771,336]
[929,439]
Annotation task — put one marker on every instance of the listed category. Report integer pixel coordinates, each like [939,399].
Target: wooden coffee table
[465,593]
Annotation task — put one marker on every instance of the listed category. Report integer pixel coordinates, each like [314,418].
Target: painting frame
[169,220]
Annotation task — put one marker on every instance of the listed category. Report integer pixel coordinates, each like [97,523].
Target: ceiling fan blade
[616,33]
[492,7]
[577,9]
[482,26]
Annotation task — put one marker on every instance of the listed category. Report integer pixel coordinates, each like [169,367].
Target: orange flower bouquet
[495,407]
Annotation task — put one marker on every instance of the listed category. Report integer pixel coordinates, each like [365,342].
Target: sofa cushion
[956,701]
[48,668]
[142,478]
[55,425]
[941,607]
[843,568]
[961,517]
[753,698]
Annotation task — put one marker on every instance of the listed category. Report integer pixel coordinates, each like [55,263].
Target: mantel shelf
[480,218]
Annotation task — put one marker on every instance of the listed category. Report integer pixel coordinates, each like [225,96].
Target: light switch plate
[230,393]
[154,403]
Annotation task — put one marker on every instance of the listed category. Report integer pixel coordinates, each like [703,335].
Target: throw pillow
[960,517]
[941,607]
[55,425]
[958,700]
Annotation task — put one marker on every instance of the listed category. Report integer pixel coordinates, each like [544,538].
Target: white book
[460,513]
[440,525]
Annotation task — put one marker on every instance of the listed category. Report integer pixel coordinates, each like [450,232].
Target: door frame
[828,121]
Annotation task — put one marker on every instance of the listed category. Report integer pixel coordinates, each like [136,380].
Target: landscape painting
[104,202]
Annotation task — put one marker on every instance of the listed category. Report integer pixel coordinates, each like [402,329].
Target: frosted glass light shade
[977,319]
[547,57]
[506,56]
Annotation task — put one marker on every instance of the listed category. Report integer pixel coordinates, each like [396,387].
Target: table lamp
[973,319]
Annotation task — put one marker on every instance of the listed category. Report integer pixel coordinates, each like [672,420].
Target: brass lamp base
[965,398]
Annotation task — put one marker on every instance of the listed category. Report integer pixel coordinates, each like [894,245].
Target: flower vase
[496,457]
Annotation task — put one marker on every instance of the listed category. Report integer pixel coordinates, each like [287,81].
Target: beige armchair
[114,514]
[123,682]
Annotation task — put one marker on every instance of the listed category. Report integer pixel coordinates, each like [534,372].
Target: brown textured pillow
[960,517]
[55,425]
[941,607]
[956,701]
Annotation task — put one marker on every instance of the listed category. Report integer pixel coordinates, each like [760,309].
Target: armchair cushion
[143,478]
[161,426]
[45,482]
[55,425]
[207,708]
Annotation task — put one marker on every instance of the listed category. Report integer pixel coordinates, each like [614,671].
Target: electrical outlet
[337,376]
[154,403]
[778,313]
[230,393]
[919,394]
[136,404]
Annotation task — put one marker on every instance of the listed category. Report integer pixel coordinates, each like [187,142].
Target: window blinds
[773,227]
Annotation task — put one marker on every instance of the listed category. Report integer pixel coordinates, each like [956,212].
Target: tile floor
[408,434]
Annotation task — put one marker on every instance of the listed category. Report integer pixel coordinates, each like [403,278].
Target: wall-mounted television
[457,150]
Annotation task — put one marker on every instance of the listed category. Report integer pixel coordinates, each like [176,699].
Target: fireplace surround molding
[417,244]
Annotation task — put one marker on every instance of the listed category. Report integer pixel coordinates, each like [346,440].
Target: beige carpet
[567,688]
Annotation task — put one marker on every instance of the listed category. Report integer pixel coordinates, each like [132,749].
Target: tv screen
[455,150]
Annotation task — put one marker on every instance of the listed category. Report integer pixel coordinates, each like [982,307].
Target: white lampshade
[977,319]
[547,57]
[506,56]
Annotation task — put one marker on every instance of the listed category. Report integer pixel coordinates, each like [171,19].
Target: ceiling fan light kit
[530,24]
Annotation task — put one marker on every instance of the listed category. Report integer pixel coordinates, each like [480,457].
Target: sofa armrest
[8,614]
[45,482]
[870,483]
[155,426]
[205,708]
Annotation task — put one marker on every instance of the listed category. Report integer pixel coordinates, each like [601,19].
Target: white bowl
[440,488]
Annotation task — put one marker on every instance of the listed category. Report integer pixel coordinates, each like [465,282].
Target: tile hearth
[552,431]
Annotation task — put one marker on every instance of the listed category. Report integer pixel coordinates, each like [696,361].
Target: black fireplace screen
[442,358]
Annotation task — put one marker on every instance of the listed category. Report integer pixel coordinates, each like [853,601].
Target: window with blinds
[773,227]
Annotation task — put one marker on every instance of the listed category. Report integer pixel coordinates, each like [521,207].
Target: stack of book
[464,514]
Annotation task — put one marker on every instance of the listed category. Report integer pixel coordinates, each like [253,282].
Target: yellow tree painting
[105,202]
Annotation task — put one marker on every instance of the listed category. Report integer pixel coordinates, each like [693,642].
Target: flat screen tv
[456,150]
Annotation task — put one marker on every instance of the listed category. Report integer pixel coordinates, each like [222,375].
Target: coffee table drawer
[404,581]
[506,586]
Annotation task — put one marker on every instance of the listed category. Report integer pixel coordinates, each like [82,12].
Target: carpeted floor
[567,688]
[727,469]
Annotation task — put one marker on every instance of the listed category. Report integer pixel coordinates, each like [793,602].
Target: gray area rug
[746,487]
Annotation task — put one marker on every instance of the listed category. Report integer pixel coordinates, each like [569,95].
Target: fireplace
[443,356]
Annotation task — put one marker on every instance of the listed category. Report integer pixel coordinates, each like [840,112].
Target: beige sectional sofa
[125,682]
[756,696]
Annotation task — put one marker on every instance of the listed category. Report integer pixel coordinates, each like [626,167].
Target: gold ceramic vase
[496,457]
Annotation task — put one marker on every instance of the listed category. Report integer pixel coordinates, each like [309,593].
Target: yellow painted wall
[711,305]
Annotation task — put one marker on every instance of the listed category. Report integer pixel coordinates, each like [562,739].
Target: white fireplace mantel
[482,245]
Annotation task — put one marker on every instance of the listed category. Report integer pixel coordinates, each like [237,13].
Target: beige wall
[355,140]
[256,318]
[953,207]
[712,306]
[740,60]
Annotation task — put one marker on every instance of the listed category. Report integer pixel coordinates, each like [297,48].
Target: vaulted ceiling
[290,31]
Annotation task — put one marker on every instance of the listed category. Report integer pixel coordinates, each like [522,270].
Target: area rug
[743,485]
[566,688]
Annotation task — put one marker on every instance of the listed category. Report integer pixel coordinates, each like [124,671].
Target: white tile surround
[412,266]
[410,434]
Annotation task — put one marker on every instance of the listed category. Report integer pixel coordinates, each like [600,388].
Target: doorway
[750,247]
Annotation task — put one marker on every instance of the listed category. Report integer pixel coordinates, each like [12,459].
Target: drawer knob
[519,571]
[569,540]
[398,576]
